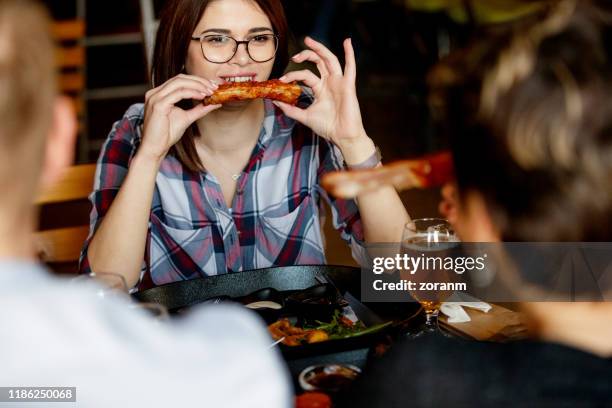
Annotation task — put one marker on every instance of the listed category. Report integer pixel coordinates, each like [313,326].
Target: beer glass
[429,241]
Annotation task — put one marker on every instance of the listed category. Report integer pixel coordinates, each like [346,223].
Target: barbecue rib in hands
[242,91]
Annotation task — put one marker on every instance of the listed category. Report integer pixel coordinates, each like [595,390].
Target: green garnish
[337,329]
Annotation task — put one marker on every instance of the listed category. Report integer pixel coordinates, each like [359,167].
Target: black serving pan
[240,284]
[318,302]
[346,280]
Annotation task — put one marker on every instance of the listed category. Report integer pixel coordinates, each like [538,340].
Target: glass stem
[431,322]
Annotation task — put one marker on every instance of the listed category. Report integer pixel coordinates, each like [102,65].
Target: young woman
[185,190]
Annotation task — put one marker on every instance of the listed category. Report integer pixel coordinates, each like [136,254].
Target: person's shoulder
[207,347]
[474,373]
[438,354]
[134,112]
[455,346]
[128,127]
[134,115]
[234,322]
[411,369]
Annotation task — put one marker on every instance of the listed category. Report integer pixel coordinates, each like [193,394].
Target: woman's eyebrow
[259,29]
[226,31]
[216,30]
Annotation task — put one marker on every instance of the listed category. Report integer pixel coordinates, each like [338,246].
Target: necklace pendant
[235,177]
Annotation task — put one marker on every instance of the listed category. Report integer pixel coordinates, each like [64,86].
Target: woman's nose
[242,55]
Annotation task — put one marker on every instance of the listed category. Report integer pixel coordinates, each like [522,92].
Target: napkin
[453,308]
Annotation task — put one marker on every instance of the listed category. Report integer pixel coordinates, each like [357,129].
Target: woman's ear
[61,140]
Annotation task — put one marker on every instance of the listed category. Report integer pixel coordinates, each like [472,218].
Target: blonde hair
[27,91]
[514,65]
[529,115]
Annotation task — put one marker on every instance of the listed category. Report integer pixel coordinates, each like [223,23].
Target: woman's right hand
[164,122]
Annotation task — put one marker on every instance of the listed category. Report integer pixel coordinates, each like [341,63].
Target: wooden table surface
[498,324]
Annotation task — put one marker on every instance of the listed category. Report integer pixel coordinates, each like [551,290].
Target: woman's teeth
[239,79]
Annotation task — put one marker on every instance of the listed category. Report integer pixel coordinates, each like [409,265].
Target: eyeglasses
[220,49]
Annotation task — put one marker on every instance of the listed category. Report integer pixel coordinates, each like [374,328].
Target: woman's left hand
[335,113]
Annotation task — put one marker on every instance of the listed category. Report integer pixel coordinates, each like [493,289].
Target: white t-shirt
[54,332]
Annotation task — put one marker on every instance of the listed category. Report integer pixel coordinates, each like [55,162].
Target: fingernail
[282,78]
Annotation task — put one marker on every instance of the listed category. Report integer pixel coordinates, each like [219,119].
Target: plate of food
[300,321]
[292,334]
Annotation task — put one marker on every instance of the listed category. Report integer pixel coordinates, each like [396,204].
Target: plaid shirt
[276,212]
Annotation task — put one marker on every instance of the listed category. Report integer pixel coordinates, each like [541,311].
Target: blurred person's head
[176,52]
[529,115]
[36,126]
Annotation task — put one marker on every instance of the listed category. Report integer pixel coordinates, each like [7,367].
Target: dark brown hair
[177,21]
[529,116]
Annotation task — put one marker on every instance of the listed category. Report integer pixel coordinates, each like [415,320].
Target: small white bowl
[313,378]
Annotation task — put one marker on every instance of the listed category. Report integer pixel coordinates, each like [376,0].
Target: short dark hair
[177,21]
[529,116]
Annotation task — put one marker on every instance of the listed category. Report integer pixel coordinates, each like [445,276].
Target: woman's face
[241,19]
